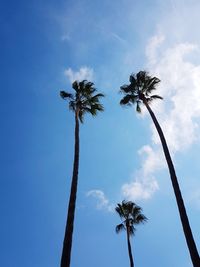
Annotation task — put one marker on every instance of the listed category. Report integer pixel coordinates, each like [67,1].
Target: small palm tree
[84,100]
[131,214]
[138,92]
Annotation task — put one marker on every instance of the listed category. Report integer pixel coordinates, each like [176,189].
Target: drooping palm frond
[120,211]
[131,215]
[156,97]
[138,108]
[132,230]
[140,218]
[120,227]
[126,100]
[151,84]
[140,88]
[84,100]
[65,95]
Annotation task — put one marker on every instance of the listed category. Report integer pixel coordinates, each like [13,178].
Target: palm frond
[141,78]
[96,97]
[132,230]
[126,100]
[141,218]
[120,227]
[151,84]
[75,86]
[120,210]
[81,115]
[132,214]
[138,108]
[132,80]
[126,89]
[65,95]
[82,85]
[156,97]
[72,105]
[84,99]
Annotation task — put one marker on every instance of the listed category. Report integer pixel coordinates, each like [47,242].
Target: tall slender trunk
[129,247]
[67,243]
[181,207]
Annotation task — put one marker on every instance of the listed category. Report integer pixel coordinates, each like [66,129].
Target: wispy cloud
[144,184]
[102,202]
[178,114]
[84,73]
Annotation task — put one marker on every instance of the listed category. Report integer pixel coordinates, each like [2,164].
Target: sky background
[45,45]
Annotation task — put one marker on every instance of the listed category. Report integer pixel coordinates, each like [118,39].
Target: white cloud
[152,47]
[144,184]
[102,202]
[178,114]
[84,73]
[140,189]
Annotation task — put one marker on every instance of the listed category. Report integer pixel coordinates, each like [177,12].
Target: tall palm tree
[131,214]
[84,100]
[138,92]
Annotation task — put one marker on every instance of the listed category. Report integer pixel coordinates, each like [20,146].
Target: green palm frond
[84,100]
[81,115]
[65,95]
[156,97]
[120,227]
[96,97]
[75,86]
[132,80]
[141,78]
[140,218]
[140,89]
[131,214]
[138,108]
[126,89]
[72,105]
[126,100]
[132,230]
[151,84]
[120,211]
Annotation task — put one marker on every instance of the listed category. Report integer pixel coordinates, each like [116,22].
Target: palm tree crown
[84,100]
[140,89]
[131,215]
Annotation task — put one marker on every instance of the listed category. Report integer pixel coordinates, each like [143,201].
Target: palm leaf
[126,100]
[126,89]
[132,230]
[84,100]
[138,108]
[75,86]
[120,227]
[156,97]
[140,218]
[65,95]
[132,214]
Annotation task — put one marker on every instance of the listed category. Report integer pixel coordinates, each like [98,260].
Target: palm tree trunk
[129,247]
[181,207]
[67,243]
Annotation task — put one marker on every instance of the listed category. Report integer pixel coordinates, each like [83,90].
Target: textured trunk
[129,247]
[181,207]
[67,243]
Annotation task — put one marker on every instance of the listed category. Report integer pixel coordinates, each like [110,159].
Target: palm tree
[131,214]
[84,100]
[139,92]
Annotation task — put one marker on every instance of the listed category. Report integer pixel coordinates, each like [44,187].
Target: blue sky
[44,46]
